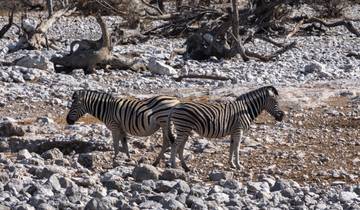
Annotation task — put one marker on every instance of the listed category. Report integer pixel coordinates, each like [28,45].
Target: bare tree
[50,7]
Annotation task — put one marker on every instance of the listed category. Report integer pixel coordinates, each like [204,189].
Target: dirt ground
[318,142]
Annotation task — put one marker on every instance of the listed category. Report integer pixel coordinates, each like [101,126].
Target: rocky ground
[311,160]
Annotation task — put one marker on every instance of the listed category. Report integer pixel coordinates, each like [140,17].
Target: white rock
[159,67]
[347,196]
[37,61]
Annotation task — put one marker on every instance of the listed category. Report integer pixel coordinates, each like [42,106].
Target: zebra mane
[91,92]
[270,87]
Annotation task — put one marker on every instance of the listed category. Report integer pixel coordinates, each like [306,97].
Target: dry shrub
[329,8]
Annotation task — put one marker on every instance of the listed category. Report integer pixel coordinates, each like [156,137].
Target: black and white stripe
[220,120]
[123,116]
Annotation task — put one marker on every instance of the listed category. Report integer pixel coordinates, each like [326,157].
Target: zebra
[219,120]
[124,116]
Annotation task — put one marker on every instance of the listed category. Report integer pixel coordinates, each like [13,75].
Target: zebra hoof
[239,167]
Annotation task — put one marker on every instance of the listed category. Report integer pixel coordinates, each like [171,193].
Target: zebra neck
[98,107]
[251,107]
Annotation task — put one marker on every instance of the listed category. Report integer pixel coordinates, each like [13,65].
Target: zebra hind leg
[181,154]
[231,152]
[237,147]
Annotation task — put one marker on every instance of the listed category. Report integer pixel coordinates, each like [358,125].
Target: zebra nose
[279,117]
[70,121]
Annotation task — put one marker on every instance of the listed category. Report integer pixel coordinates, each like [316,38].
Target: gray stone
[280,184]
[94,159]
[49,170]
[164,185]
[219,197]
[8,128]
[231,184]
[45,206]
[159,67]
[97,204]
[145,172]
[17,76]
[53,154]
[137,187]
[62,184]
[182,187]
[288,192]
[4,178]
[2,207]
[218,175]
[172,204]
[347,197]
[195,203]
[23,154]
[254,187]
[150,205]
[172,174]
[24,207]
[35,61]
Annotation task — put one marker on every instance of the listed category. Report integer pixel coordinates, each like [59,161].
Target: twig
[8,26]
[196,76]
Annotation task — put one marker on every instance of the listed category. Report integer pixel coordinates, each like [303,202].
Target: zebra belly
[218,134]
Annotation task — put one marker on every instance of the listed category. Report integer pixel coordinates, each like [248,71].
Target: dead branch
[86,59]
[36,38]
[353,54]
[6,27]
[235,31]
[196,76]
[266,58]
[348,24]
[92,54]
[153,7]
[296,29]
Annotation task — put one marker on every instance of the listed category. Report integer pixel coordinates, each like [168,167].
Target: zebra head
[77,108]
[271,104]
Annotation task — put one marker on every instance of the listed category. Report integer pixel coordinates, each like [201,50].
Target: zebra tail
[168,132]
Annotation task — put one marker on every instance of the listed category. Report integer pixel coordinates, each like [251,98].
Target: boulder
[159,67]
[145,172]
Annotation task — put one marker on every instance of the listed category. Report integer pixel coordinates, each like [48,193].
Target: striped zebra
[220,120]
[124,116]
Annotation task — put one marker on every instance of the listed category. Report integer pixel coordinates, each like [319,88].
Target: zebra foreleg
[231,152]
[116,139]
[164,147]
[125,147]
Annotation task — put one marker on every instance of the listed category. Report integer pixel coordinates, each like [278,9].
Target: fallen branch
[6,27]
[86,59]
[266,58]
[296,29]
[353,54]
[196,76]
[350,27]
[153,7]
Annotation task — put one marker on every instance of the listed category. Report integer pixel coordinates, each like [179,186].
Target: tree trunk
[178,4]
[235,30]
[50,7]
[161,5]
